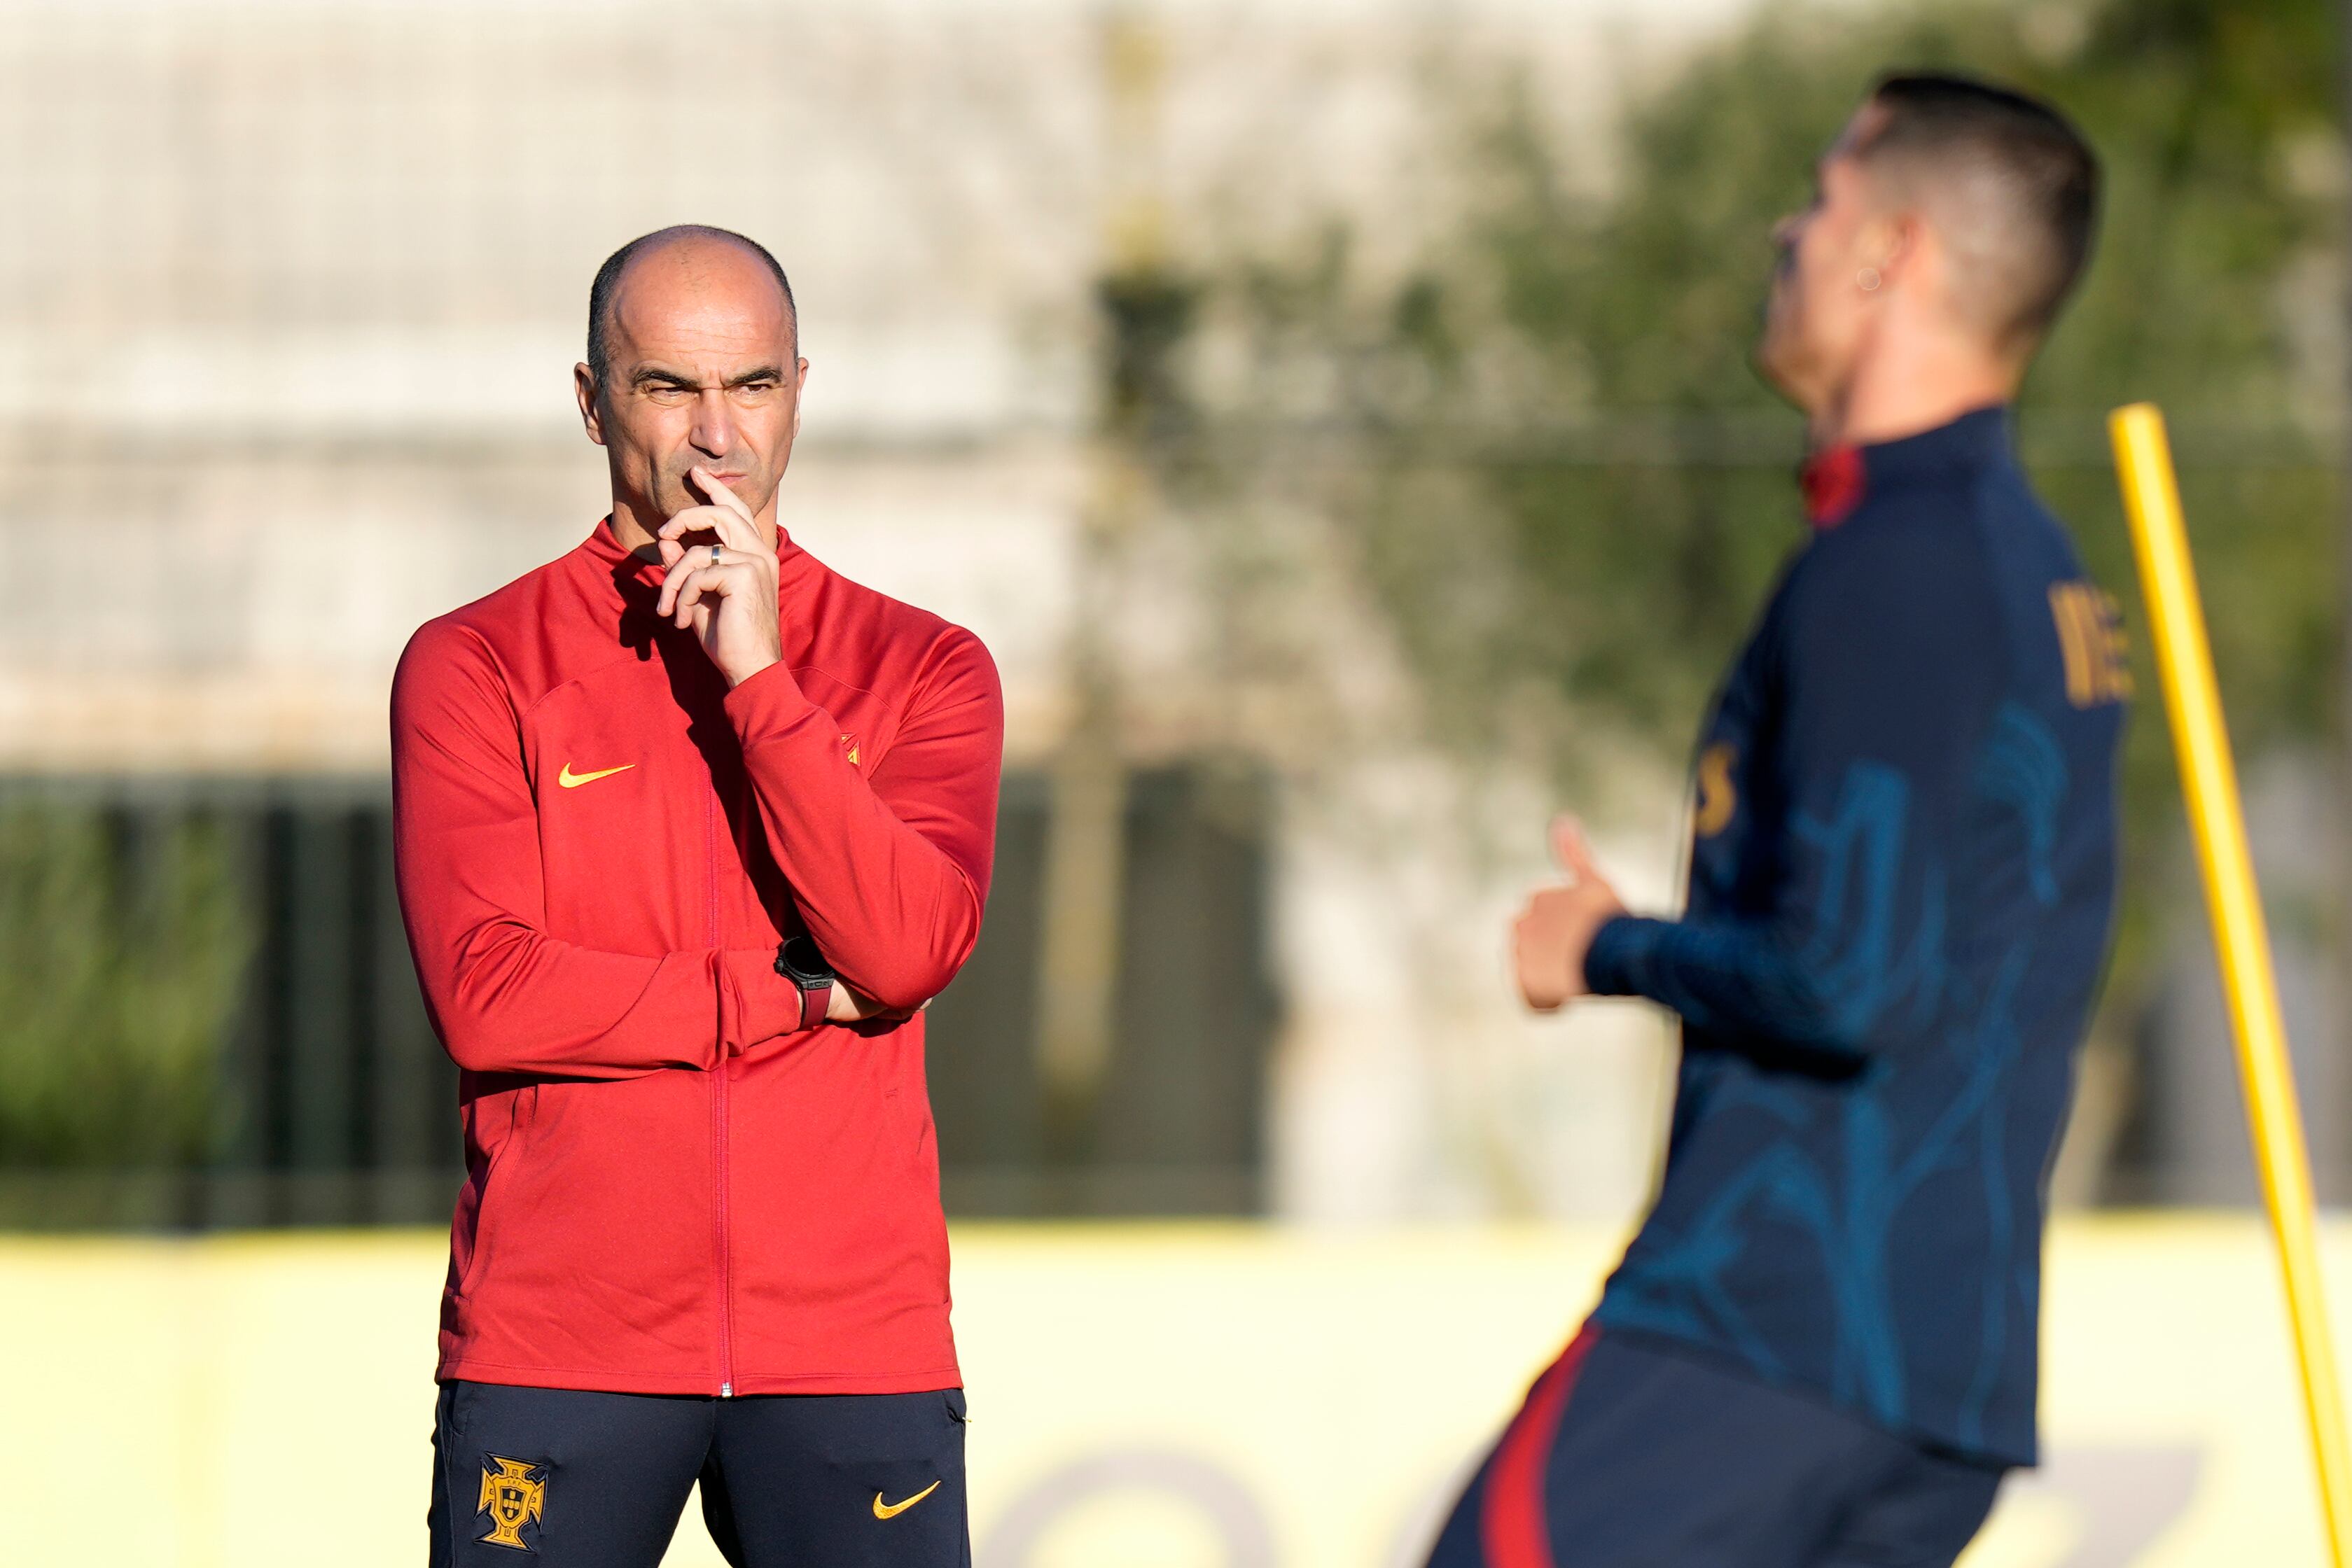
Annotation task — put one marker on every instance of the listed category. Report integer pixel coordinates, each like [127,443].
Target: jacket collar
[1836,480]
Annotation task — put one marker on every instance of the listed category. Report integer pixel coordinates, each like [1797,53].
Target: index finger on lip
[708,481]
[724,499]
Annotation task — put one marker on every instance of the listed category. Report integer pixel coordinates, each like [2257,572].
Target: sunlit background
[1333,415]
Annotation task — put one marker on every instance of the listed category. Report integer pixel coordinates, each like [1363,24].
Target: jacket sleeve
[1883,671]
[505,995]
[890,873]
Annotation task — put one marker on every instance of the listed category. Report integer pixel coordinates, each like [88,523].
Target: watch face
[804,962]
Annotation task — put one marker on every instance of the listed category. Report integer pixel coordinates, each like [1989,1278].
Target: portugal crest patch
[513,1495]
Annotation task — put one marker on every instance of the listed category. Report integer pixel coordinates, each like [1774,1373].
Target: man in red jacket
[688,830]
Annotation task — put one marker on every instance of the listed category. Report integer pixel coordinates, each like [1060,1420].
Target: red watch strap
[815,1001]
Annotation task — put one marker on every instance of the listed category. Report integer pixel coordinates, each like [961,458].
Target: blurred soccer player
[1820,1348]
[689,829]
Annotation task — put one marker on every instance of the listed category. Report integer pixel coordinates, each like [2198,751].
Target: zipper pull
[726,1391]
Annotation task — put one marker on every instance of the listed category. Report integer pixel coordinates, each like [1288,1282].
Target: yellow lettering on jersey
[2091,639]
[1717,798]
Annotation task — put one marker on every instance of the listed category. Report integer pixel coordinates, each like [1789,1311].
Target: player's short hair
[2016,185]
[608,280]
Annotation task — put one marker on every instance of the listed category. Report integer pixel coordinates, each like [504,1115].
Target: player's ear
[584,387]
[1894,244]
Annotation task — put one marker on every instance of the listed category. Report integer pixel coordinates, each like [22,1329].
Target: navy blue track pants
[1630,1454]
[598,1480]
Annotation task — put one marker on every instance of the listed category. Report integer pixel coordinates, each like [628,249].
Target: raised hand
[725,592]
[1554,932]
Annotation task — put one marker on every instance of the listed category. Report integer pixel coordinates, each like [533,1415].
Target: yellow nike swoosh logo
[572,780]
[893,1509]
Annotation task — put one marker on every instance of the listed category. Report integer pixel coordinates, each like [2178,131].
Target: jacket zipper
[719,1120]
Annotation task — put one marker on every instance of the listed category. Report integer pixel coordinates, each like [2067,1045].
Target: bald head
[2009,186]
[694,257]
[693,364]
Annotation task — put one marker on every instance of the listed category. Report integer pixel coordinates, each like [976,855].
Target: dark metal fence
[335,1104]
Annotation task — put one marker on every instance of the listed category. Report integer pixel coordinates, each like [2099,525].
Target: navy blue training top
[1902,873]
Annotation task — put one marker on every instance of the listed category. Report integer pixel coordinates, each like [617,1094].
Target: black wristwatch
[798,960]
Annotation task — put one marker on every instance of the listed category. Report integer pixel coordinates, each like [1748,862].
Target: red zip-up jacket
[671,1187]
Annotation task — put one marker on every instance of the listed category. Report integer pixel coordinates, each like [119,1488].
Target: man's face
[1821,308]
[702,370]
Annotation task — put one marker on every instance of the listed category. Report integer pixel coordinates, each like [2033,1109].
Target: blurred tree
[1569,492]
[120,964]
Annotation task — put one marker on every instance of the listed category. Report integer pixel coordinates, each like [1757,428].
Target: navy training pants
[599,1480]
[1631,1454]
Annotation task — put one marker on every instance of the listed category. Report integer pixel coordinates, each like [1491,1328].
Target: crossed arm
[889,873]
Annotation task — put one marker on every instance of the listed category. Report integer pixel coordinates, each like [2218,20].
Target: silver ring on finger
[714,555]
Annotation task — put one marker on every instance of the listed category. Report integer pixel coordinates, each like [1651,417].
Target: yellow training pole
[2210,780]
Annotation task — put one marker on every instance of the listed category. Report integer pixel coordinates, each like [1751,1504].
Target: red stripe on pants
[1512,1519]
